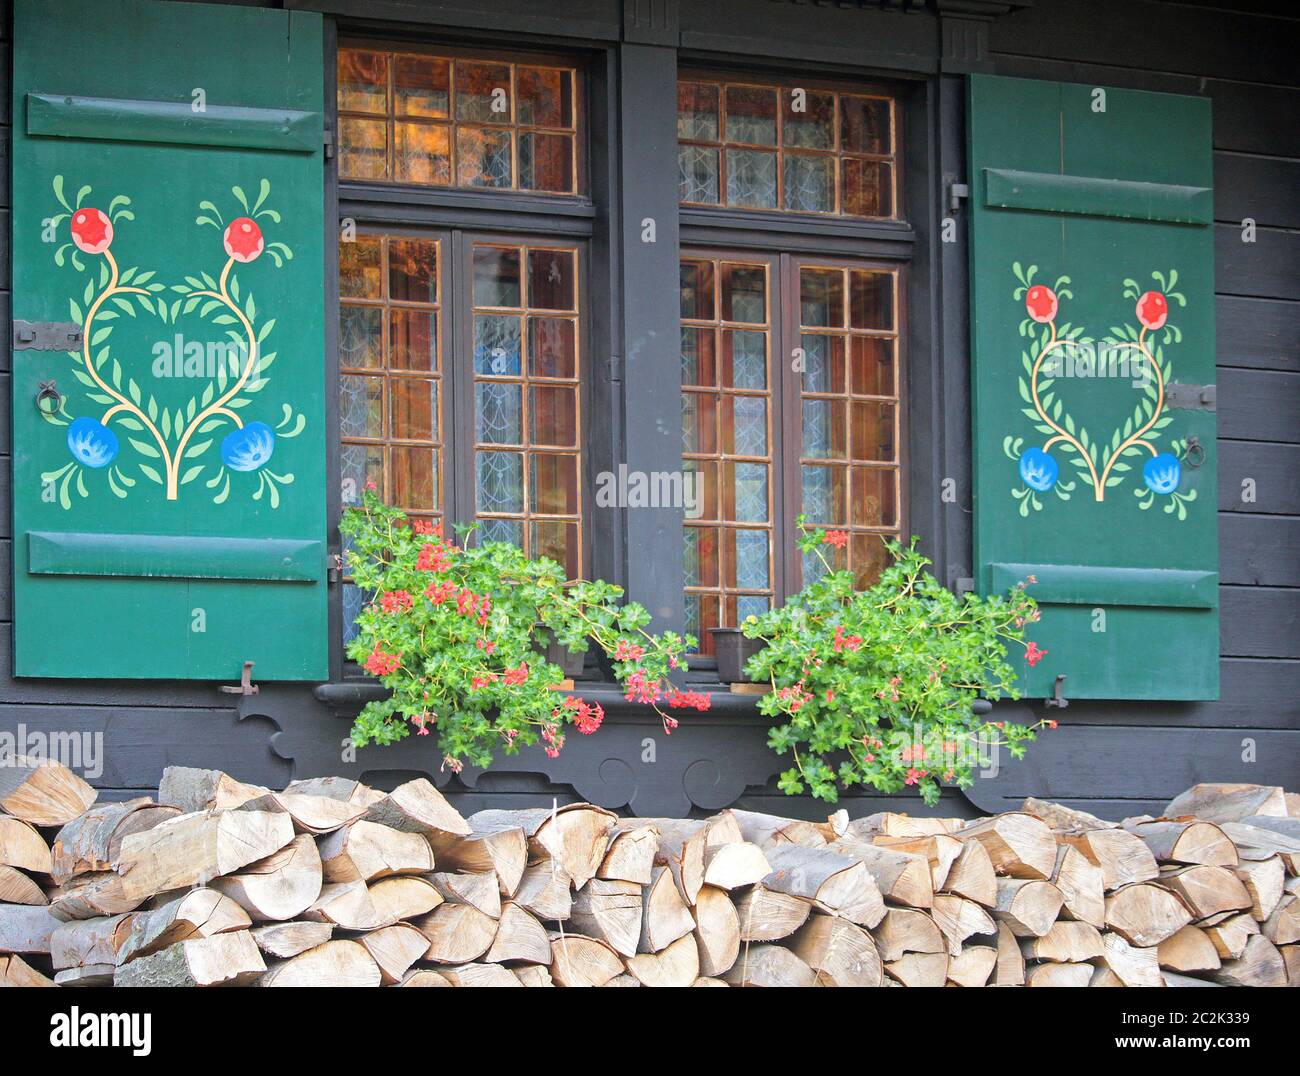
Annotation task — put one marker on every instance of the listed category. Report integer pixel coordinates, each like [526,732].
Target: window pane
[496,345]
[482,92]
[553,486]
[559,542]
[697,174]
[421,86]
[546,162]
[744,294]
[363,148]
[698,366]
[751,178]
[699,423]
[867,191]
[554,416]
[363,81]
[550,279]
[361,406]
[873,431]
[697,290]
[871,304]
[697,111]
[361,464]
[744,359]
[483,157]
[825,429]
[748,559]
[413,270]
[864,125]
[809,119]
[809,183]
[359,273]
[414,408]
[746,485]
[501,530]
[873,501]
[361,337]
[821,297]
[751,115]
[421,153]
[499,413]
[702,556]
[415,477]
[823,358]
[870,558]
[873,366]
[744,425]
[497,276]
[553,348]
[825,494]
[499,483]
[545,97]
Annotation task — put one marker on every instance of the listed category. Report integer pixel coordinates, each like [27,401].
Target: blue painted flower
[1038,469]
[249,448]
[1162,473]
[91,442]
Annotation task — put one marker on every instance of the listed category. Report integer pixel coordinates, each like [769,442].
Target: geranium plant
[451,631]
[875,688]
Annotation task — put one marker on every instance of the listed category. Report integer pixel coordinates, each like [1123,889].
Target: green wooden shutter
[1092,249]
[169,515]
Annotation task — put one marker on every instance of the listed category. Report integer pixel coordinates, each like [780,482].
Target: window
[802,150]
[766,440]
[459,121]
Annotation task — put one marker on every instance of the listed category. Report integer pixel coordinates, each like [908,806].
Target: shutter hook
[1058,700]
[47,390]
[1192,446]
[246,685]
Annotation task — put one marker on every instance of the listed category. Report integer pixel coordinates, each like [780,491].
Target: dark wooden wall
[1115,758]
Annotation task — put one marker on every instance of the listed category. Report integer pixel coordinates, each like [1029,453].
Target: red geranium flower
[243,239]
[1033,655]
[92,231]
[1042,304]
[839,539]
[1153,310]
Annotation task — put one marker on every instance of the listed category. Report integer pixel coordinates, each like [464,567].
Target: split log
[424,977]
[544,891]
[1133,966]
[767,830]
[346,905]
[89,941]
[611,910]
[394,949]
[1074,975]
[1260,964]
[44,793]
[500,850]
[1027,906]
[1207,890]
[1019,845]
[480,890]
[1265,881]
[89,896]
[843,887]
[520,938]
[85,975]
[958,919]
[1291,958]
[418,807]
[1189,842]
[281,886]
[893,824]
[770,966]
[1082,885]
[1227,802]
[1010,967]
[941,851]
[17,888]
[190,790]
[22,847]
[1064,819]
[766,915]
[222,960]
[310,814]
[919,969]
[15,971]
[192,849]
[1231,935]
[665,916]
[577,960]
[1066,942]
[482,975]
[904,930]
[1145,914]
[1174,979]
[200,913]
[840,953]
[902,877]
[575,836]
[972,875]
[973,965]
[93,841]
[1282,927]
[284,940]
[705,980]
[1260,838]
[536,975]
[1189,950]
[717,930]
[681,849]
[336,788]
[335,963]
[403,897]
[631,854]
[457,933]
[1123,857]
[731,866]
[368,851]
[676,965]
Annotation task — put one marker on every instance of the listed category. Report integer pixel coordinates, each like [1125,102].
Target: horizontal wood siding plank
[1259,550]
[1264,268]
[1259,405]
[1263,334]
[1258,622]
[1268,474]
[1262,189]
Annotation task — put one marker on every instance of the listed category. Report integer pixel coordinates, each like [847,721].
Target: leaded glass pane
[749,419]
[483,157]
[363,81]
[697,111]
[421,86]
[809,119]
[413,340]
[751,115]
[499,482]
[414,406]
[809,183]
[746,359]
[751,559]
[361,406]
[697,174]
[497,276]
[482,92]
[422,153]
[361,337]
[499,413]
[750,491]
[501,530]
[359,465]
[545,97]
[698,367]
[751,179]
[546,162]
[496,345]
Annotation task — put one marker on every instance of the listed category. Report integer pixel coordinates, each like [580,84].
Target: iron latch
[47,336]
[1191,397]
[245,686]
[1058,698]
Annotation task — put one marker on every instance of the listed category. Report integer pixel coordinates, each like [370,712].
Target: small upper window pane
[442,121]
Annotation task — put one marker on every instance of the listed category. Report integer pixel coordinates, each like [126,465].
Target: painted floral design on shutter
[207,436]
[1136,352]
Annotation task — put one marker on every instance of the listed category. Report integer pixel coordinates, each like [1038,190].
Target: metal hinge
[1191,397]
[245,686]
[47,336]
[957,193]
[329,144]
[614,368]
[335,572]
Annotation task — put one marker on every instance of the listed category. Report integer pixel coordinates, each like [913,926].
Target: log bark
[190,790]
[89,896]
[418,807]
[336,788]
[1231,935]
[502,851]
[1227,802]
[44,793]
[902,877]
[941,851]
[222,960]
[631,855]
[1188,842]
[89,941]
[767,830]
[310,814]
[93,842]
[478,889]
[200,913]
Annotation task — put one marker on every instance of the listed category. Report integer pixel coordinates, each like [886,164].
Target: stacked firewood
[332,883]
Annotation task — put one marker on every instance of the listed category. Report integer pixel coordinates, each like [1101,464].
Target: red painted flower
[243,239]
[1153,310]
[1033,655]
[92,231]
[1041,303]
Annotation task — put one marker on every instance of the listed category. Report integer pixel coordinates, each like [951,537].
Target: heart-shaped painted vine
[1136,352]
[170,442]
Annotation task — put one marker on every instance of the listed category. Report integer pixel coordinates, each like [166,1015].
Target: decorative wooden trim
[651,22]
[162,556]
[1073,584]
[1092,196]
